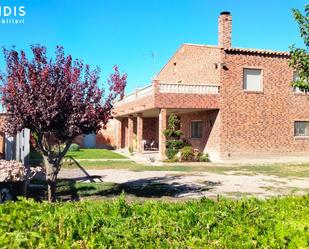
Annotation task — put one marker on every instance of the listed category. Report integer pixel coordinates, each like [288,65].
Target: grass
[94,154]
[245,223]
[154,188]
[280,170]
[129,165]
[83,154]
[70,190]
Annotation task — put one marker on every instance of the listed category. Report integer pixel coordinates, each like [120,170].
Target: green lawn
[71,190]
[129,165]
[94,154]
[280,170]
[83,154]
[245,223]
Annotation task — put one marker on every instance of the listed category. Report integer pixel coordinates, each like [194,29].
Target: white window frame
[244,85]
[202,129]
[304,134]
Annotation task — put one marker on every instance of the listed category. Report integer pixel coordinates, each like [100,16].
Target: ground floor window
[196,129]
[301,128]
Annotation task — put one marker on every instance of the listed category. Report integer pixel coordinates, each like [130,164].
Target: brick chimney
[225,30]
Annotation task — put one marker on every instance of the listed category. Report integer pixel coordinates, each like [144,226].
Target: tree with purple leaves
[57,99]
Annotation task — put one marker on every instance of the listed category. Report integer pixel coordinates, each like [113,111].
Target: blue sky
[127,32]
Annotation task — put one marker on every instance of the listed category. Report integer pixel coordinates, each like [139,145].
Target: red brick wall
[139,105]
[210,141]
[260,123]
[195,64]
[124,133]
[225,30]
[106,137]
[150,129]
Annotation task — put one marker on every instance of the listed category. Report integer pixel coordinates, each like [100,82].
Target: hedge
[246,223]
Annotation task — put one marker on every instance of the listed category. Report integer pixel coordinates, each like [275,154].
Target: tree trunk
[51,177]
[52,163]
[51,190]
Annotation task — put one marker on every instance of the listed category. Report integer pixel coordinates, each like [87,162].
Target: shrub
[74,147]
[171,152]
[172,148]
[203,158]
[247,223]
[175,144]
[187,154]
[173,134]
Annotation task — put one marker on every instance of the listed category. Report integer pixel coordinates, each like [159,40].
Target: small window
[252,79]
[196,129]
[301,129]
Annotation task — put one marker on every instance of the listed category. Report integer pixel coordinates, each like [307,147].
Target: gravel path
[187,185]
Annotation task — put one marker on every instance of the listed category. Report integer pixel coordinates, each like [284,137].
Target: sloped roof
[257,51]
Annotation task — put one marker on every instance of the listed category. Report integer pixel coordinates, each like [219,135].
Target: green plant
[173,134]
[246,223]
[203,157]
[74,147]
[299,59]
[187,154]
[171,152]
[175,144]
[130,150]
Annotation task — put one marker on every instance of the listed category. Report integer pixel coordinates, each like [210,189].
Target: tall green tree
[299,56]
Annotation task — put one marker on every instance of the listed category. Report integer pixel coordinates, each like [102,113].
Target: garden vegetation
[246,223]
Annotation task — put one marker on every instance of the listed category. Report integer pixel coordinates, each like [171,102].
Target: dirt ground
[183,185]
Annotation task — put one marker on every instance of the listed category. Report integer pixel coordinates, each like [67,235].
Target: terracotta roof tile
[257,51]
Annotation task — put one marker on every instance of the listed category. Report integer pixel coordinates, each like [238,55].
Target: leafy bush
[74,147]
[246,223]
[203,158]
[172,148]
[175,144]
[173,134]
[171,152]
[187,154]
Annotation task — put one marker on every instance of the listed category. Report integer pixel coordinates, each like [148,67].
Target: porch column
[162,127]
[118,133]
[130,131]
[140,146]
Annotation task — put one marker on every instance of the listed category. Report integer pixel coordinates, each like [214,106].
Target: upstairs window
[252,79]
[301,128]
[196,129]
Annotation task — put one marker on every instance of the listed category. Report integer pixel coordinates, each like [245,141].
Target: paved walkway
[187,185]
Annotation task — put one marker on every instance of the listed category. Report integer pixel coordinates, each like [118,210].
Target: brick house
[232,102]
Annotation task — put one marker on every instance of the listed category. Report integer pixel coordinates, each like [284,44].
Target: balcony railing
[139,93]
[189,88]
[171,88]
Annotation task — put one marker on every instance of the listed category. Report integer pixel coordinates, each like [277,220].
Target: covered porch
[143,131]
